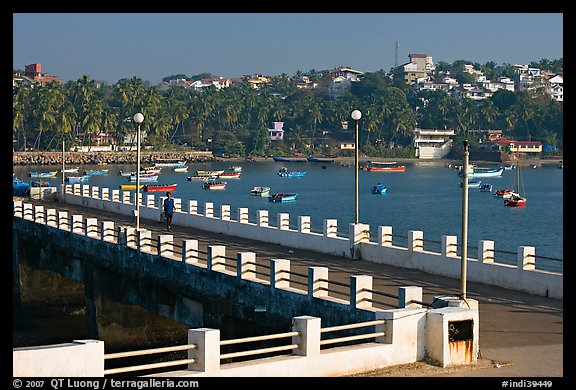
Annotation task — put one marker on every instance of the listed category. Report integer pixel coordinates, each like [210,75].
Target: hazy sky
[109,46]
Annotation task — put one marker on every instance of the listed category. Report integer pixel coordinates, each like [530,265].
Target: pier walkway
[521,335]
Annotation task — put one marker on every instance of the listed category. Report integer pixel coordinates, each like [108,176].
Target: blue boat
[290,159]
[283,172]
[282,198]
[97,172]
[76,179]
[45,175]
[20,187]
[379,189]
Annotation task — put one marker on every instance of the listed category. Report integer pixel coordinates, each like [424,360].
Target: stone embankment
[92,158]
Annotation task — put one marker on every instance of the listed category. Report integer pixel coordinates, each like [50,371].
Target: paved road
[521,333]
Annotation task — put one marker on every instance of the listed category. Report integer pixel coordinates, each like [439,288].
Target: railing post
[28,211]
[283,221]
[486,251]
[450,246]
[407,294]
[263,218]
[209,210]
[39,214]
[105,193]
[115,195]
[358,297]
[126,197]
[77,224]
[279,273]
[150,200]
[415,241]
[225,212]
[385,235]
[177,205]
[143,240]
[357,233]
[330,228]
[107,231]
[243,214]
[192,207]
[189,251]
[165,247]
[85,190]
[316,287]
[131,237]
[526,258]
[63,221]
[77,189]
[17,208]
[246,265]
[309,334]
[206,355]
[304,224]
[51,217]
[95,192]
[215,259]
[91,227]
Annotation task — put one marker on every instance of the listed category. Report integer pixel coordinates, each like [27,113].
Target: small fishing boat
[486,187]
[290,159]
[44,175]
[144,178]
[504,193]
[76,179]
[327,160]
[472,183]
[20,187]
[159,187]
[279,198]
[214,185]
[181,169]
[96,172]
[70,170]
[229,175]
[379,189]
[485,172]
[209,173]
[390,166]
[260,191]
[169,163]
[202,178]
[283,172]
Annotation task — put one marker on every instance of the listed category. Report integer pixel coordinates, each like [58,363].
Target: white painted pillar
[450,246]
[63,221]
[206,355]
[131,237]
[385,235]
[107,231]
[317,282]
[95,191]
[150,198]
[225,212]
[17,208]
[215,259]
[262,218]
[308,340]
[486,251]
[28,211]
[177,205]
[126,197]
[246,265]
[304,224]
[39,216]
[283,221]
[77,189]
[165,246]
[190,251]
[330,228]
[51,219]
[85,190]
[209,210]
[115,195]
[358,297]
[77,224]
[143,240]
[415,241]
[407,294]
[91,227]
[279,273]
[526,258]
[105,193]
[357,233]
[243,214]
[192,207]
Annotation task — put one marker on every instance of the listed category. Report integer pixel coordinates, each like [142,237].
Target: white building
[555,87]
[431,144]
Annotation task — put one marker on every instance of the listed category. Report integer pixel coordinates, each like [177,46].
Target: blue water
[425,197]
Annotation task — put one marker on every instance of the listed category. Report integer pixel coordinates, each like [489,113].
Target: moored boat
[76,179]
[229,175]
[515,199]
[320,159]
[484,172]
[96,172]
[282,198]
[181,169]
[160,187]
[20,187]
[214,185]
[283,172]
[379,189]
[209,173]
[260,191]
[44,175]
[144,178]
[169,163]
[236,168]
[130,187]
[290,159]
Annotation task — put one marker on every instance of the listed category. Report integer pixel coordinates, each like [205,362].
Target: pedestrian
[168,210]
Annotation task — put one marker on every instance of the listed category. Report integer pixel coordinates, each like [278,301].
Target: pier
[387,279]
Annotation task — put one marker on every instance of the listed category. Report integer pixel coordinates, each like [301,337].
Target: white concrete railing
[522,277]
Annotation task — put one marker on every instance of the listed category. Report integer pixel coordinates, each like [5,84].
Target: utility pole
[396,55]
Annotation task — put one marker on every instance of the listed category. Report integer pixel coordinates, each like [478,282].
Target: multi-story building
[419,67]
[33,75]
[342,79]
[555,87]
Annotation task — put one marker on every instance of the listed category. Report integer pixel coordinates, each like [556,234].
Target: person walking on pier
[168,210]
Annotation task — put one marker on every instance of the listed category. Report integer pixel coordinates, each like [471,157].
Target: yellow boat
[130,186]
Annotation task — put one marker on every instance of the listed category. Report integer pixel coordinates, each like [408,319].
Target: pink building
[277,132]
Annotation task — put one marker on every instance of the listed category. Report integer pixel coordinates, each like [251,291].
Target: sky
[111,46]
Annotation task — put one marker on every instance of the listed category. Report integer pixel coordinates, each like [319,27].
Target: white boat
[209,173]
[260,191]
[181,169]
[146,178]
[483,172]
[71,170]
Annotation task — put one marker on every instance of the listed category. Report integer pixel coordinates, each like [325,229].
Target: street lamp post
[463,265]
[356,115]
[138,118]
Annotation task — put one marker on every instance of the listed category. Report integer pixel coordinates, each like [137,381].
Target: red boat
[503,193]
[229,175]
[400,168]
[159,187]
[515,201]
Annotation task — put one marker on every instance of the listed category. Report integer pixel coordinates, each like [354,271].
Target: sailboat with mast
[516,199]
